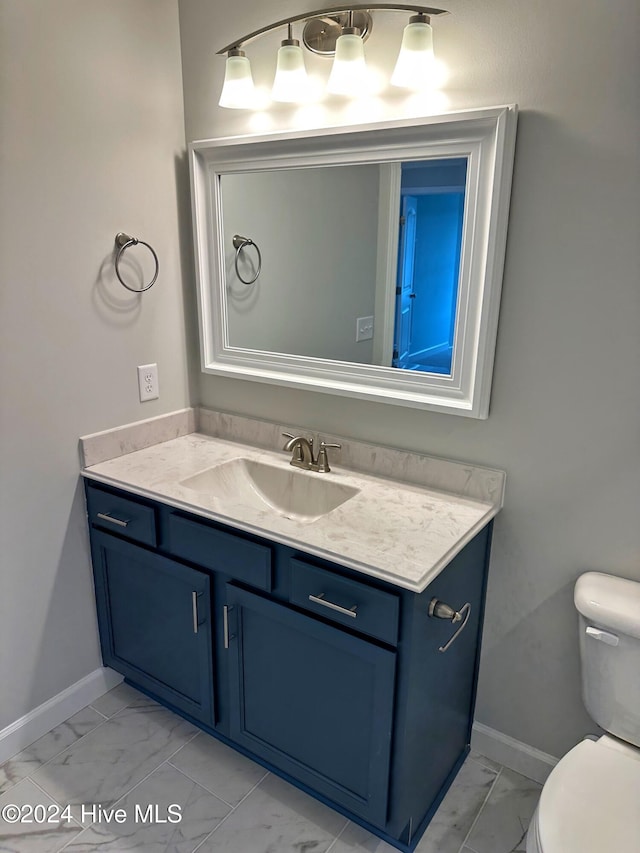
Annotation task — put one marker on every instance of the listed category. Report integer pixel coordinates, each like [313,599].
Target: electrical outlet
[148,382]
[364,329]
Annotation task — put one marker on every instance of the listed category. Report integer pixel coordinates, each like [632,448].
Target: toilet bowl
[591,801]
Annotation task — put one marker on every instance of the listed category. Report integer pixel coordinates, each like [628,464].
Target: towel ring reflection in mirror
[123,242]
[239,243]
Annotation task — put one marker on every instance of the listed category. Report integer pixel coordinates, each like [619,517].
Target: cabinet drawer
[220,551]
[122,515]
[346,601]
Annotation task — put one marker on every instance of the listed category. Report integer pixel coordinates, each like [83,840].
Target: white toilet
[591,801]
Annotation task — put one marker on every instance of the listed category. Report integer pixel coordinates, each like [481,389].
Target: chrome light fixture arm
[328,13]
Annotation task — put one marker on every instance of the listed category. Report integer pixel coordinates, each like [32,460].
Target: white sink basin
[295,494]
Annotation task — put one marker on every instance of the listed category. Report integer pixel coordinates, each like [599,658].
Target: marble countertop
[399,532]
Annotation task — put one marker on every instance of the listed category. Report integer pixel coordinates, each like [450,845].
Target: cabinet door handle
[320,599]
[225,625]
[105,516]
[194,610]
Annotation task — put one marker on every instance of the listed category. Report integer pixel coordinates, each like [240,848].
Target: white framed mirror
[364,261]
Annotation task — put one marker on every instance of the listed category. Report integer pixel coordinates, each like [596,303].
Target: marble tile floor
[124,754]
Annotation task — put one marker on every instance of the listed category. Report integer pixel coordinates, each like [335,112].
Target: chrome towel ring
[239,244]
[123,241]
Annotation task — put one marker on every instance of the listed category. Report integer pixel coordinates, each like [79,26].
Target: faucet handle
[322,465]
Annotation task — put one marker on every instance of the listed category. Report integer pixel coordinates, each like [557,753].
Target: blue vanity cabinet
[436,690]
[154,618]
[340,682]
[312,699]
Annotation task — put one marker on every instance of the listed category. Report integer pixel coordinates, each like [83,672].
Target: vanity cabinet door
[312,699]
[154,617]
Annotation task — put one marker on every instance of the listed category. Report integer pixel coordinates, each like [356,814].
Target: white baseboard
[512,753]
[17,736]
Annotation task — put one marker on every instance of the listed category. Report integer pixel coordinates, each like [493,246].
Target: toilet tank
[609,609]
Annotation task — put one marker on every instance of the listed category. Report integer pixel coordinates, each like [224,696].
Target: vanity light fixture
[338,32]
[238,91]
[415,65]
[349,71]
[291,82]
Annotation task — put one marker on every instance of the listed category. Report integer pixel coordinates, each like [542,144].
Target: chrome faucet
[302,449]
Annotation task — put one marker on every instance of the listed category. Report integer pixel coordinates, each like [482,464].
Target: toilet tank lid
[610,601]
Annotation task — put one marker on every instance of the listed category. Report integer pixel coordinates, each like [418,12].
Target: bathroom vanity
[299,640]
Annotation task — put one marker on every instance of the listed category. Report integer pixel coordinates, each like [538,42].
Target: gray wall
[317,232]
[565,405]
[92,141]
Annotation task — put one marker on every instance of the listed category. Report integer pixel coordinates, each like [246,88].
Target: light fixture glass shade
[349,72]
[291,84]
[416,65]
[238,92]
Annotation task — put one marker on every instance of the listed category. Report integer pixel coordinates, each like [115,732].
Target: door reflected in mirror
[323,290]
[431,222]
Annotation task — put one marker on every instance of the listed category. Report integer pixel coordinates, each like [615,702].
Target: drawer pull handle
[440,610]
[320,599]
[194,610]
[104,516]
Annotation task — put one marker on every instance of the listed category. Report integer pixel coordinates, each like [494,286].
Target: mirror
[326,234]
[361,261]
